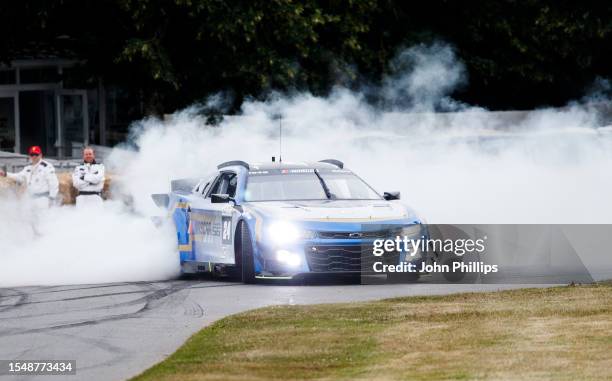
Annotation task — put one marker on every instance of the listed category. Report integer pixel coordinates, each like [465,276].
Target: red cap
[35,150]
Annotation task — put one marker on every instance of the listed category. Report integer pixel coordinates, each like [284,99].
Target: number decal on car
[226,231]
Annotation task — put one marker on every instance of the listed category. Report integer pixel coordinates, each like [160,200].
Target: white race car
[283,220]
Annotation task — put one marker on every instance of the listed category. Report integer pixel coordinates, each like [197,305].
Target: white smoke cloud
[423,77]
[465,165]
[75,246]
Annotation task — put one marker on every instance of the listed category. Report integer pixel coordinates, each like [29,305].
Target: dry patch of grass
[561,333]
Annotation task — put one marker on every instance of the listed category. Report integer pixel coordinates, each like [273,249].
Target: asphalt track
[115,331]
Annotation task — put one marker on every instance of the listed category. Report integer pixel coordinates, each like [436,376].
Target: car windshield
[347,186]
[279,186]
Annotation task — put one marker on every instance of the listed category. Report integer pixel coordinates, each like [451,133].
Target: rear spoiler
[183,185]
[161,199]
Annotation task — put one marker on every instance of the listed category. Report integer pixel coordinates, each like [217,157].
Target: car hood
[336,210]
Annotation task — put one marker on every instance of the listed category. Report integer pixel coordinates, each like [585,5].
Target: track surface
[115,331]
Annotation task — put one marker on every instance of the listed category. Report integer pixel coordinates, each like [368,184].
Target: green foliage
[175,52]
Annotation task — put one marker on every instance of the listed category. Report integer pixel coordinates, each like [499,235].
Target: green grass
[561,333]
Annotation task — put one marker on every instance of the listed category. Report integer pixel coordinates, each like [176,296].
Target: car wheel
[244,254]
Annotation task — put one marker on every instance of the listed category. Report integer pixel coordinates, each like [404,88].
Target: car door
[212,223]
[202,220]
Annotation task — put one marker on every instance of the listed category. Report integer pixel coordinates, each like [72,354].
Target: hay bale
[67,192]
[7,186]
[6,183]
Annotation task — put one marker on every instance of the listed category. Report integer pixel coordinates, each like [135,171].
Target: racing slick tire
[244,254]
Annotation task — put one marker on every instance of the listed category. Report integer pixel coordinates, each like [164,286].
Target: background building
[79,71]
[44,102]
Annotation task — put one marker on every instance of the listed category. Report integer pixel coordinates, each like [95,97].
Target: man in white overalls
[88,179]
[39,178]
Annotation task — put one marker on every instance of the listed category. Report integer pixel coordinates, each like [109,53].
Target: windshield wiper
[325,188]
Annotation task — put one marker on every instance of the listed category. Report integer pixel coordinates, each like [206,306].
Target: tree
[176,52]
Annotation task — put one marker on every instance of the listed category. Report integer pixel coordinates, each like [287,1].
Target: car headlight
[288,258]
[283,232]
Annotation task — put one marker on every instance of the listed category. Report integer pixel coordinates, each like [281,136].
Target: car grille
[358,235]
[345,258]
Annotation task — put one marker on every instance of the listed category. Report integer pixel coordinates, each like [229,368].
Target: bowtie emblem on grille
[355,235]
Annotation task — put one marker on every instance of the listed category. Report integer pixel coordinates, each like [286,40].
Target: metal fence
[12,162]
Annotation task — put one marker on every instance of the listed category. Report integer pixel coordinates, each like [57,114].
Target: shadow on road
[304,280]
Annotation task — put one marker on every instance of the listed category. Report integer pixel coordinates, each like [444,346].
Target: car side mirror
[220,198]
[391,196]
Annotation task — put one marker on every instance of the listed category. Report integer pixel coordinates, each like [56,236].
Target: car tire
[244,254]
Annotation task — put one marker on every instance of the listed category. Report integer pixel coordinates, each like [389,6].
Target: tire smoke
[453,163]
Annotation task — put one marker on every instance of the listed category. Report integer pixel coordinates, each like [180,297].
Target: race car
[284,220]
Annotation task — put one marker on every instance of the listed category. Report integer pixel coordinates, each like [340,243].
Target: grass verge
[560,333]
